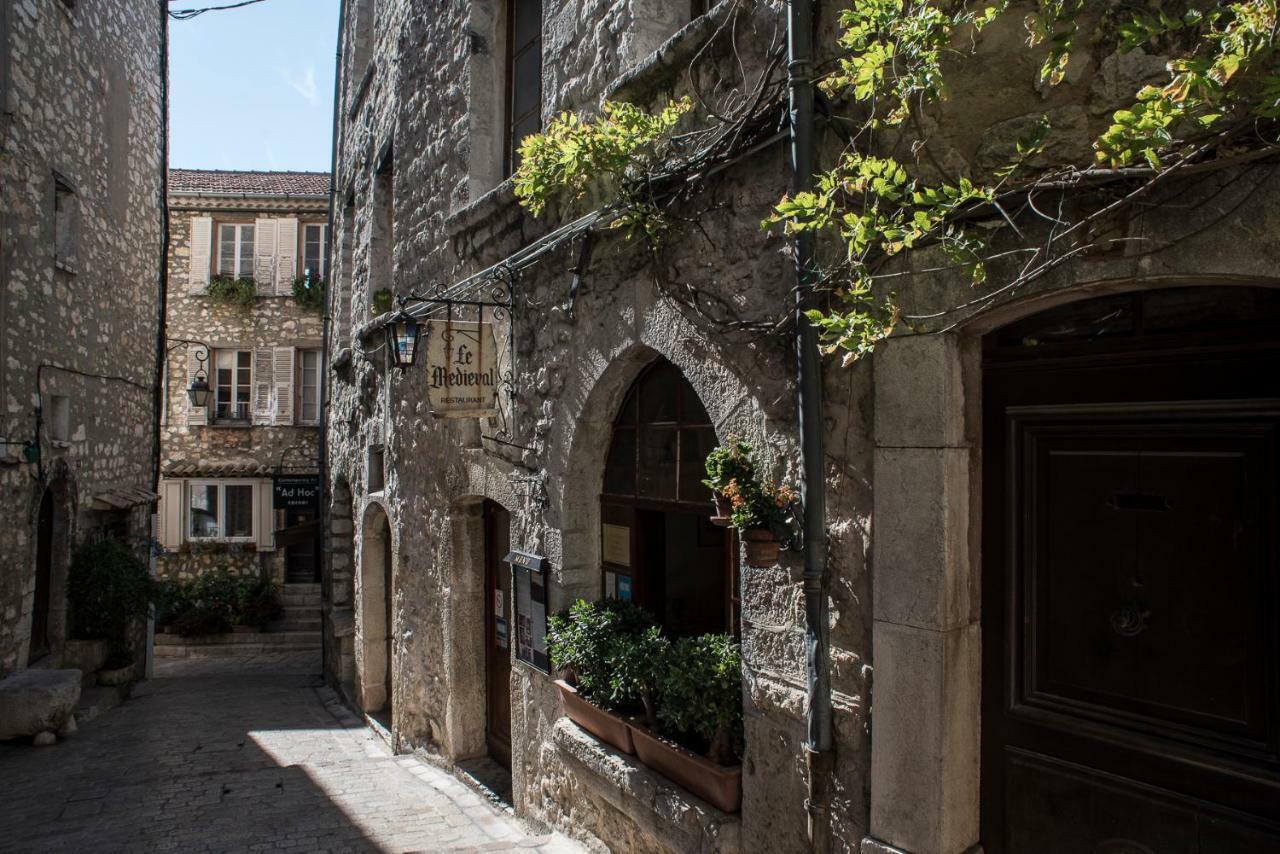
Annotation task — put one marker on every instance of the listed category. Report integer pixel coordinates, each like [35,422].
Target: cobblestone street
[240,755]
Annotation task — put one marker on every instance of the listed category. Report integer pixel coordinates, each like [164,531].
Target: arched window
[658,546]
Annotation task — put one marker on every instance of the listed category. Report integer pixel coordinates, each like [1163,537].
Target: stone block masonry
[81,160]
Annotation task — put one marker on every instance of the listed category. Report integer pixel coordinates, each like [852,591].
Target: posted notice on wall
[462,369]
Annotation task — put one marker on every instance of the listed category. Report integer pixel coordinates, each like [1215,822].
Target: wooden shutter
[201,251]
[263,381]
[283,385]
[170,513]
[286,256]
[264,256]
[197,415]
[263,506]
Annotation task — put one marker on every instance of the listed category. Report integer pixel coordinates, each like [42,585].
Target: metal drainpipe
[818,747]
[322,441]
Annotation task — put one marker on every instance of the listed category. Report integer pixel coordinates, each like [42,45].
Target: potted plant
[701,704]
[729,463]
[109,592]
[309,292]
[763,513]
[593,642]
[242,293]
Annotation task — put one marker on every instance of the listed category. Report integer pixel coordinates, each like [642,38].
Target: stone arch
[45,604]
[926,572]
[576,456]
[375,626]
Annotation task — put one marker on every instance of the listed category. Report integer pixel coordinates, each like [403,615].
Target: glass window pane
[204,510]
[239,510]
[528,22]
[691,409]
[657,475]
[694,447]
[658,393]
[620,470]
[526,84]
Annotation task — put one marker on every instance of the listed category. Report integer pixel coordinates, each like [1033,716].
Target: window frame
[220,519]
[510,145]
[324,249]
[235,384]
[301,356]
[65,225]
[238,262]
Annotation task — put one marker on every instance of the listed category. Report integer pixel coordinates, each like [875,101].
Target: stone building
[227,466]
[82,153]
[1137,389]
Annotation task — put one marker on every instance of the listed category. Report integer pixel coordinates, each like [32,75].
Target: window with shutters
[220,510]
[308,386]
[235,250]
[524,77]
[315,251]
[233,374]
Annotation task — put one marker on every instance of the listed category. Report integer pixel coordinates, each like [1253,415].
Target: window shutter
[201,248]
[264,261]
[283,385]
[196,415]
[286,256]
[170,513]
[263,380]
[264,506]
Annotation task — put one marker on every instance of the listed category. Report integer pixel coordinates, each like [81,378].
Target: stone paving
[221,755]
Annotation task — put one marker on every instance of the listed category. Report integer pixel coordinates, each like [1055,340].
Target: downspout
[322,462]
[160,398]
[818,746]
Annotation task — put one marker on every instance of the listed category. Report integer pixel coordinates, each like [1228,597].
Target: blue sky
[252,88]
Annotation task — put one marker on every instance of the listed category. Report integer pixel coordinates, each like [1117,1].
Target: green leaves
[573,158]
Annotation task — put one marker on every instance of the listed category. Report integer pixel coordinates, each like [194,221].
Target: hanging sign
[297,491]
[462,369]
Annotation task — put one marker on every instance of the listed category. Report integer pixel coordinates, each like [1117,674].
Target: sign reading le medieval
[462,369]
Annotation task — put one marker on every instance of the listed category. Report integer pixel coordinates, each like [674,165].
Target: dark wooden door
[302,546]
[1131,600]
[44,579]
[497,544]
[388,611]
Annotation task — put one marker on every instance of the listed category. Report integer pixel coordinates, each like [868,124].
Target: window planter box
[605,726]
[718,785]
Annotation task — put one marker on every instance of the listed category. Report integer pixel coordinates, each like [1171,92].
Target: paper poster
[498,603]
[624,588]
[616,544]
[500,631]
[610,586]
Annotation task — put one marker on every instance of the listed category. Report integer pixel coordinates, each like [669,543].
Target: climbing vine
[872,207]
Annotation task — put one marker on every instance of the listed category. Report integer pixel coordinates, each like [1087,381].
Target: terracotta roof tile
[259,183]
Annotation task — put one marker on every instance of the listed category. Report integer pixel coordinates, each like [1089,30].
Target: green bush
[310,292]
[638,663]
[200,621]
[701,694]
[591,642]
[108,590]
[732,461]
[241,293]
[214,601]
[733,473]
[383,301]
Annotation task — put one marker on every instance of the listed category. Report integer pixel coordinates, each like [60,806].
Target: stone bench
[37,701]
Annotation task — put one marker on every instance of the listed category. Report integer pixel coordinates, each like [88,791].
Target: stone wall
[242,449]
[902,419]
[81,117]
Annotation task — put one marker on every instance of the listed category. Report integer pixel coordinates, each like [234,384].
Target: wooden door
[44,580]
[388,606]
[1131,697]
[497,544]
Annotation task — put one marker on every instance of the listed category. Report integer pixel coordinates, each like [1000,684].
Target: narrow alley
[233,754]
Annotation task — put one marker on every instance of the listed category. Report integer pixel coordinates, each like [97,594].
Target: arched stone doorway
[1131,587]
[376,626]
[658,547]
[48,603]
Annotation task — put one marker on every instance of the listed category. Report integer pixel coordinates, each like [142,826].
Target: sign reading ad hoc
[462,369]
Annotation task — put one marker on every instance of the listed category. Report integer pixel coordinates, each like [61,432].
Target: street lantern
[402,339]
[199,389]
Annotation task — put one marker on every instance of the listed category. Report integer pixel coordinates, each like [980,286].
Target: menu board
[530,615]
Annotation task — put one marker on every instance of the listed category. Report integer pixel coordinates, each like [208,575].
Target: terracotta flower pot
[608,728]
[718,785]
[762,548]
[723,510]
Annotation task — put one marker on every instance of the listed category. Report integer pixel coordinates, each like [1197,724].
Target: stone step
[300,600]
[231,649]
[295,625]
[311,638]
[301,588]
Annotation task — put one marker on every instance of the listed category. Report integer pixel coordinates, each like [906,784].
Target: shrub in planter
[591,641]
[764,512]
[639,662]
[241,293]
[309,292]
[701,694]
[201,621]
[108,590]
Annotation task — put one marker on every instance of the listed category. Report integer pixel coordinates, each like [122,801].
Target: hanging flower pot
[724,511]
[762,547]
